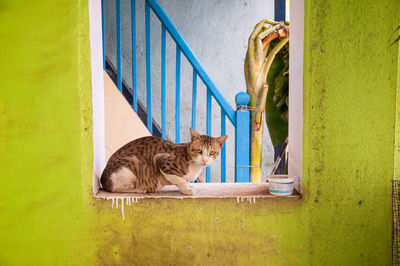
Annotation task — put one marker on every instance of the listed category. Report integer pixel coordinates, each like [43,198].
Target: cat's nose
[205,162]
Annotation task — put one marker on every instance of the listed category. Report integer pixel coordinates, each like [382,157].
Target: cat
[147,164]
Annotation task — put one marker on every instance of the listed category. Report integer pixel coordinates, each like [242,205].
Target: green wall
[349,117]
[49,217]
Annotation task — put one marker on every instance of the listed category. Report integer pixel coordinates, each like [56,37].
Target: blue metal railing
[134,63]
[240,119]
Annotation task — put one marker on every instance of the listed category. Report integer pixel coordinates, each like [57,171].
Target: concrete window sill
[205,190]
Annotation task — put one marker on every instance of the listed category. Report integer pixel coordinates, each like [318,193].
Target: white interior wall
[217,32]
[96,58]
[296,92]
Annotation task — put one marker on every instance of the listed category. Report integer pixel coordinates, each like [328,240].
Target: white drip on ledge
[205,190]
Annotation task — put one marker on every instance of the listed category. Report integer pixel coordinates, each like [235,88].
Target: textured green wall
[350,99]
[45,151]
[47,213]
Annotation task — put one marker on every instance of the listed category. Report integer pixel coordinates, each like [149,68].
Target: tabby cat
[149,163]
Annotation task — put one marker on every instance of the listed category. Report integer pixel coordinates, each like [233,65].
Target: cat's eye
[198,151]
[212,152]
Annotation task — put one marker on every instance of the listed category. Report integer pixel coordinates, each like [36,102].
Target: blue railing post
[103,30]
[134,70]
[223,148]
[148,67]
[208,126]
[163,99]
[242,141]
[194,99]
[178,96]
[119,54]
[280,10]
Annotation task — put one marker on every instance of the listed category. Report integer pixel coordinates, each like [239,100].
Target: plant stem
[257,125]
[256,71]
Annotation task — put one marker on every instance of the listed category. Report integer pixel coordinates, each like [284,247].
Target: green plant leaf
[277,126]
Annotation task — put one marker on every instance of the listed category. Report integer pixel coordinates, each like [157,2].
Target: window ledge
[205,190]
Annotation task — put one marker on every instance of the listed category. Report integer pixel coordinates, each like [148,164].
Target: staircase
[238,118]
[125,129]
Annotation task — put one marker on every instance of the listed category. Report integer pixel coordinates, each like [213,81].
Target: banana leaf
[276,111]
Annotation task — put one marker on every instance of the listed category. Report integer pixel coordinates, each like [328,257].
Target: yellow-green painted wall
[49,217]
[349,117]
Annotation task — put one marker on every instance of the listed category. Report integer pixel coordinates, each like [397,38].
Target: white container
[280,185]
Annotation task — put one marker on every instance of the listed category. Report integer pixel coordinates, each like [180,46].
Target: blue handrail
[157,9]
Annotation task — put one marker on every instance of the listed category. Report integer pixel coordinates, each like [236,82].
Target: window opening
[294,168]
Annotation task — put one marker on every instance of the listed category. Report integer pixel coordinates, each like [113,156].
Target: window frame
[295,96]
[296,68]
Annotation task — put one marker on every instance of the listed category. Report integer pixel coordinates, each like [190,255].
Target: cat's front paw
[188,191]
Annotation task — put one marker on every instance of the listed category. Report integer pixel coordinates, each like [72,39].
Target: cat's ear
[193,134]
[221,139]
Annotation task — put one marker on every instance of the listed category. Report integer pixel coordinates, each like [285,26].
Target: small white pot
[280,185]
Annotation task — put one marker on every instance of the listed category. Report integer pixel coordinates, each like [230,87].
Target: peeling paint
[124,200]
